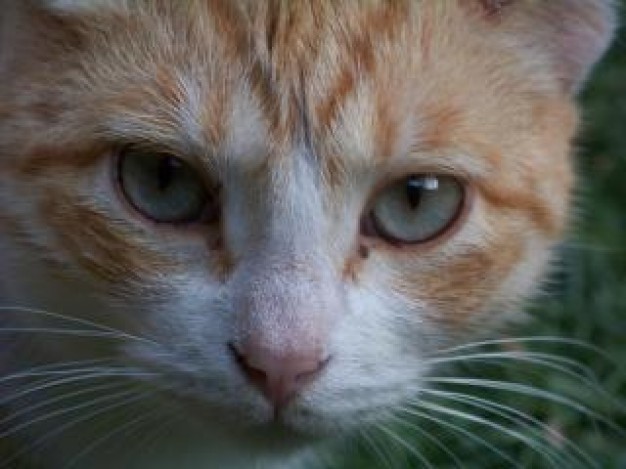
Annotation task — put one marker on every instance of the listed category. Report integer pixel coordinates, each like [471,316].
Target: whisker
[61,398]
[527,390]
[379,453]
[436,441]
[556,362]
[83,322]
[552,362]
[74,379]
[412,450]
[49,371]
[510,414]
[151,440]
[106,437]
[59,430]
[531,442]
[50,367]
[551,340]
[29,423]
[62,331]
[476,439]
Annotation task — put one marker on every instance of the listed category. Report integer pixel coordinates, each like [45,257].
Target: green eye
[417,208]
[162,187]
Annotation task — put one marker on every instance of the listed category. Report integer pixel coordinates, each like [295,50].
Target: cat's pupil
[414,190]
[166,172]
[415,187]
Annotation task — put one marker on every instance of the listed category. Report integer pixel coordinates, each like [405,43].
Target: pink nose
[278,376]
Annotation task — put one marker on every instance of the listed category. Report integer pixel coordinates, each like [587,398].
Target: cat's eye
[416,209]
[163,187]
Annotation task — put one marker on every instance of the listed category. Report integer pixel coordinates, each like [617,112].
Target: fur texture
[299,112]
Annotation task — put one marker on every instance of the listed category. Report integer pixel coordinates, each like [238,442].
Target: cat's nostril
[254,375]
[279,376]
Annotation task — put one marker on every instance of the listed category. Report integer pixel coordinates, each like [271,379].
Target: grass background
[586,301]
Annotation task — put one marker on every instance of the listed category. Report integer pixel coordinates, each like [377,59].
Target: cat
[235,230]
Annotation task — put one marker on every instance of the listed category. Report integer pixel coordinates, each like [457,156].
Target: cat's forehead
[365,80]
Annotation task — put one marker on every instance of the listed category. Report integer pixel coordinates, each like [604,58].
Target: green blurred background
[586,301]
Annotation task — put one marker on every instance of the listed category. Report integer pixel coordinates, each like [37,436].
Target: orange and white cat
[231,229]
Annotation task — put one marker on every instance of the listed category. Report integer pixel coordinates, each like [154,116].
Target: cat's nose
[279,376]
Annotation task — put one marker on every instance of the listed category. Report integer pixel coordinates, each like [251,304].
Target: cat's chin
[265,434]
[276,439]
[271,433]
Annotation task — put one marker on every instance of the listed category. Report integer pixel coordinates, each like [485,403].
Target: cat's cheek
[377,365]
[36,298]
[189,364]
[479,278]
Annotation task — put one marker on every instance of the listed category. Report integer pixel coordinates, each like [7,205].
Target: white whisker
[61,398]
[395,437]
[551,340]
[567,366]
[556,362]
[50,368]
[436,441]
[510,414]
[50,415]
[101,374]
[59,430]
[370,440]
[527,390]
[122,429]
[462,431]
[152,439]
[84,322]
[531,442]
[52,372]
[62,331]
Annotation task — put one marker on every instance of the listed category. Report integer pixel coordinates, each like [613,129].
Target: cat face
[285,206]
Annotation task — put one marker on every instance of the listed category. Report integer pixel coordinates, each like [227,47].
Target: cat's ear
[573,33]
